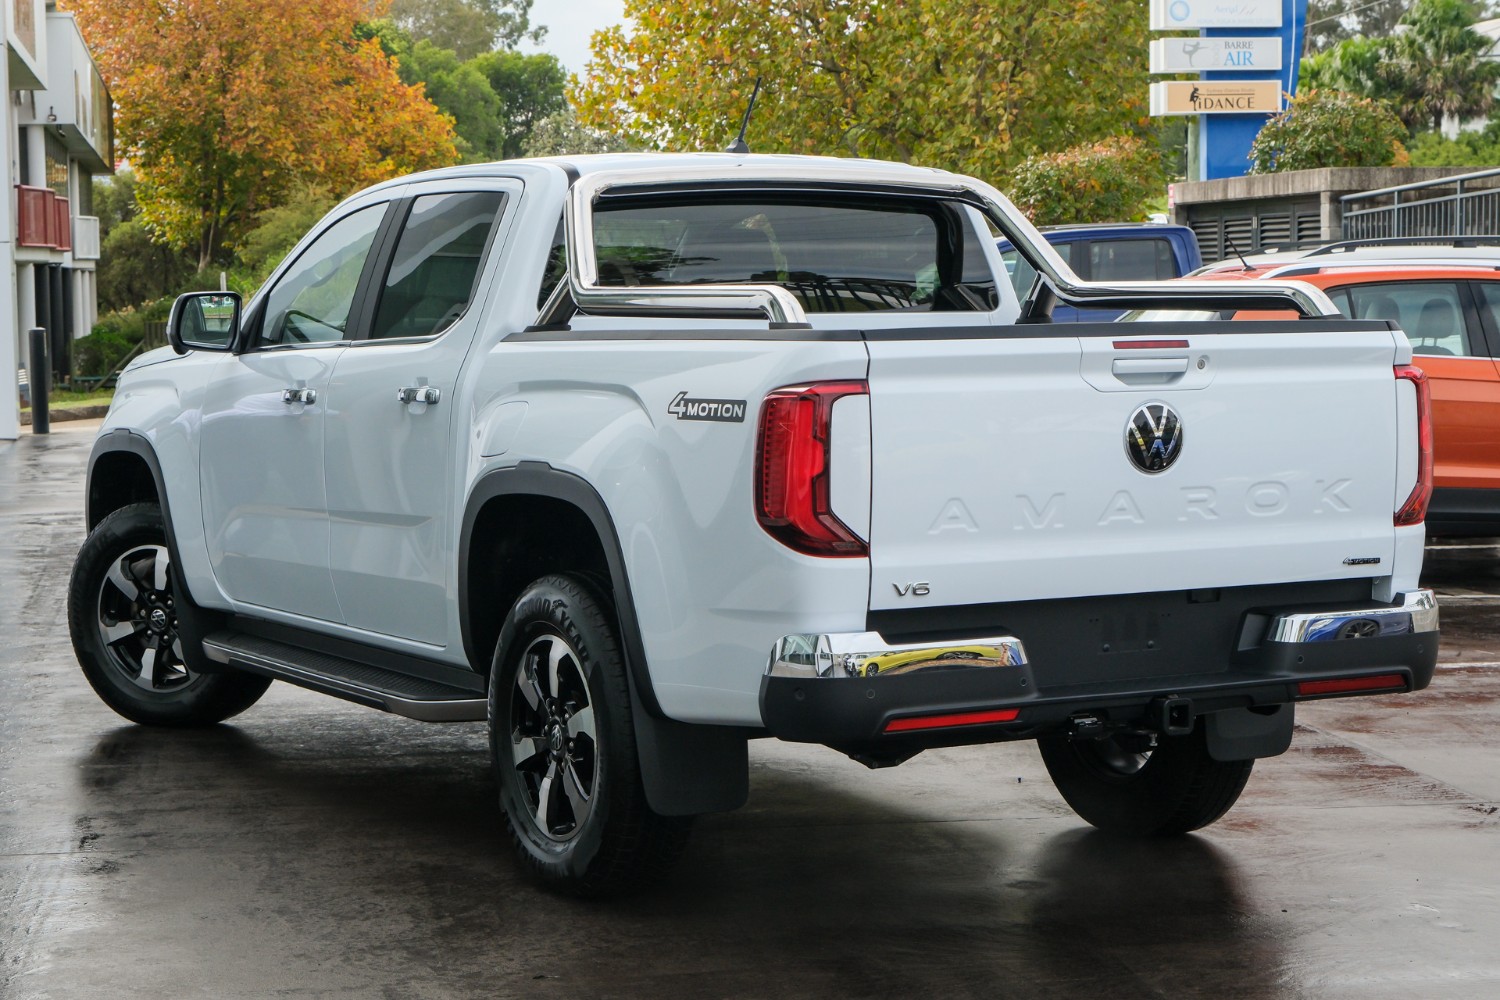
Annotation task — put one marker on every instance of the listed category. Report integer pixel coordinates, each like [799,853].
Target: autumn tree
[224,108]
[467,27]
[970,86]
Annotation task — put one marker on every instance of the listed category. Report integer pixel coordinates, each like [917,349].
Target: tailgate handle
[1150,369]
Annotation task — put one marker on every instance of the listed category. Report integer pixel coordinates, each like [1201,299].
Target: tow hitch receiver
[1173,716]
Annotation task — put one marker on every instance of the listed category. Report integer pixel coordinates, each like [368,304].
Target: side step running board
[375,687]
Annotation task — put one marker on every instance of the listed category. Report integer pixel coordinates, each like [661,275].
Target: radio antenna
[739,145]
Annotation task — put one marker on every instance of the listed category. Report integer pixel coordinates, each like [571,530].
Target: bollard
[39,374]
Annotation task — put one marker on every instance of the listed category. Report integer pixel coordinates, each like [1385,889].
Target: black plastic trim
[540,479]
[776,332]
[1463,511]
[394,661]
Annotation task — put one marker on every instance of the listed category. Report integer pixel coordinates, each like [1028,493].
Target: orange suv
[1449,305]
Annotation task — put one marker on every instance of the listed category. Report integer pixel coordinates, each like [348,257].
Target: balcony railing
[42,219]
[85,237]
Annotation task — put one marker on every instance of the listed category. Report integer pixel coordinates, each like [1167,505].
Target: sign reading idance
[1172,15]
[1208,55]
[1231,97]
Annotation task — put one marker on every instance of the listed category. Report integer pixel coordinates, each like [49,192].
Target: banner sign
[1202,97]
[1173,15]
[1209,55]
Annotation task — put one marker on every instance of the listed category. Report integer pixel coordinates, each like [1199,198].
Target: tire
[1170,789]
[563,743]
[122,616]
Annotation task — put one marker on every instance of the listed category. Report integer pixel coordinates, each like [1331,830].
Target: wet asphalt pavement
[313,848]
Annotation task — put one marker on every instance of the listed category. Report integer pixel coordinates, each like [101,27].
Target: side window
[1430,312]
[1340,299]
[432,273]
[1488,293]
[557,264]
[310,303]
[1131,260]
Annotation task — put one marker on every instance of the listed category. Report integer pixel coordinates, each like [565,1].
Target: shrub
[1104,181]
[1330,128]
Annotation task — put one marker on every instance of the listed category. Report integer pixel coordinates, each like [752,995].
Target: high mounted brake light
[792,469]
[1414,511]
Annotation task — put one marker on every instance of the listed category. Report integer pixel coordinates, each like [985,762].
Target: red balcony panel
[34,217]
[64,224]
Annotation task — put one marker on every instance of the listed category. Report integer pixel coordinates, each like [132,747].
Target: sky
[570,23]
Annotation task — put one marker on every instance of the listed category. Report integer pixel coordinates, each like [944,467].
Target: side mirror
[204,321]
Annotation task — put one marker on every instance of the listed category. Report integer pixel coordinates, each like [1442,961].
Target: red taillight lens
[1128,345]
[1414,511]
[791,464]
[1350,685]
[921,722]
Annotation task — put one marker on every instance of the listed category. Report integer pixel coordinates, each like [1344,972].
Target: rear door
[1442,322]
[1053,462]
[392,426]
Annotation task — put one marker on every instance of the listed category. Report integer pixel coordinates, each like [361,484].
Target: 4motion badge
[729,411]
[1153,437]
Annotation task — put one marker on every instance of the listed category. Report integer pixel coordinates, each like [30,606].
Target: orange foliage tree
[970,85]
[223,107]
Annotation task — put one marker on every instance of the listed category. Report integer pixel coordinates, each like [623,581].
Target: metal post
[39,373]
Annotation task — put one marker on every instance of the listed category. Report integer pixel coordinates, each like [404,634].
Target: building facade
[56,136]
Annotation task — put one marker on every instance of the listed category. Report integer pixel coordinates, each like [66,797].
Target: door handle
[1150,366]
[419,394]
[308,396]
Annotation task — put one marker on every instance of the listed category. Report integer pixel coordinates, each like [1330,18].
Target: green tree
[1434,66]
[561,134]
[529,87]
[134,268]
[1108,181]
[467,27]
[1468,149]
[1329,128]
[1332,21]
[970,86]
[1441,65]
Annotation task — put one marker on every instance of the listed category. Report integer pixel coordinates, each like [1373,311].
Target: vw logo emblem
[1153,437]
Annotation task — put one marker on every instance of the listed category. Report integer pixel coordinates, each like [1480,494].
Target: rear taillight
[792,466]
[1414,511]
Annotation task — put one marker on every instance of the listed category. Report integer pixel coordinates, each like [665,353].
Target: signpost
[1246,55]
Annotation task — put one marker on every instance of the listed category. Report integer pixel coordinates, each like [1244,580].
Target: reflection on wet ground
[317,849]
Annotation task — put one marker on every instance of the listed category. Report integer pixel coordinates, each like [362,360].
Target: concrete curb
[76,413]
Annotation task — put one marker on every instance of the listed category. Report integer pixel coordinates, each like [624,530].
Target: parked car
[640,457]
[1107,252]
[1448,303]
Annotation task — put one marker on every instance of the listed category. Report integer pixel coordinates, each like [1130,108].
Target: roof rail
[1458,242]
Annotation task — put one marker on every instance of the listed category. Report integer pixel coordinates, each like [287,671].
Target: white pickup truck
[642,457]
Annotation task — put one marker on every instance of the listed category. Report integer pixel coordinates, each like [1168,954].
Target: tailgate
[1004,470]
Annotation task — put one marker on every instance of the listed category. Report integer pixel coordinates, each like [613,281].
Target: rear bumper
[859,693]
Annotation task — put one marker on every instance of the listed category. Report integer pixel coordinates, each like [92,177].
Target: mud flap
[688,769]
[1246,733]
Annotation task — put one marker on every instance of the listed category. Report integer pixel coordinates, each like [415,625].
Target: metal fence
[1463,205]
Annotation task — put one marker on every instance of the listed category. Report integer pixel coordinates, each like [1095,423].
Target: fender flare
[685,769]
[196,621]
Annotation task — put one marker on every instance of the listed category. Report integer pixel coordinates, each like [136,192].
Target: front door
[391,424]
[264,503]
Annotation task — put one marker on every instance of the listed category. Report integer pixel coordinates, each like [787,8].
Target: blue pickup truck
[1123,251]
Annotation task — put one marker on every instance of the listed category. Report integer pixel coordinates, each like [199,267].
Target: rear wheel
[1127,786]
[123,606]
[563,743]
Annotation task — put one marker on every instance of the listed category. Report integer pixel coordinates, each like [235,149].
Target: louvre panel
[1274,232]
[1239,235]
[1309,229]
[1207,231]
